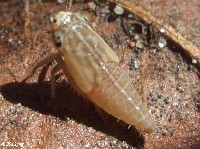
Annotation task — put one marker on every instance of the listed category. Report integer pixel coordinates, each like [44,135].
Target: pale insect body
[93,69]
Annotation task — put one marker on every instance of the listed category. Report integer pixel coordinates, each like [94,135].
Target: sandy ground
[165,77]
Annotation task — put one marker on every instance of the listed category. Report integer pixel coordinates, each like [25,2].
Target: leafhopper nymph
[93,70]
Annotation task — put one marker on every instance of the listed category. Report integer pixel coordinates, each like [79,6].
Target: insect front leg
[69,4]
[46,60]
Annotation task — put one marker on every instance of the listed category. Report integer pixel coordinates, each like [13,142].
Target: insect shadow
[69,104]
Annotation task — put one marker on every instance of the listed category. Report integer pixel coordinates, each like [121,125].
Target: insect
[92,68]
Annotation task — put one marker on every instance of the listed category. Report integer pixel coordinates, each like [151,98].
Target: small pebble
[132,44]
[118,10]
[10,40]
[61,1]
[139,44]
[88,145]
[162,43]
[194,61]
[130,15]
[162,30]
[19,41]
[137,63]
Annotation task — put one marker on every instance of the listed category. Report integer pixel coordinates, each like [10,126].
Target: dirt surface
[165,77]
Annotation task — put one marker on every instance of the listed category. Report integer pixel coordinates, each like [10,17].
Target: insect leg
[46,60]
[69,4]
[55,69]
[62,64]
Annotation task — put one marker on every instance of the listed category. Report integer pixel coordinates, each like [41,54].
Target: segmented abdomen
[114,92]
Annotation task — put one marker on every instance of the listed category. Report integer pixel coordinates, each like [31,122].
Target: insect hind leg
[53,81]
[55,69]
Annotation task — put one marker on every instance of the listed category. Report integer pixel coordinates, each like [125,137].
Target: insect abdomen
[114,92]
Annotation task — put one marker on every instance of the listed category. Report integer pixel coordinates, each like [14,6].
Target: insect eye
[57,40]
[53,19]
